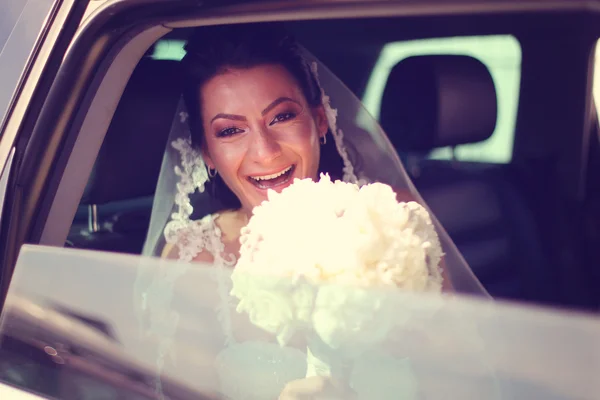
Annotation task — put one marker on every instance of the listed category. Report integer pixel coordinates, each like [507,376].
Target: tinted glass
[20,25]
[88,325]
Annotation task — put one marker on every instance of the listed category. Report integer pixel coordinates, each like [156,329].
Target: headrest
[436,101]
[130,158]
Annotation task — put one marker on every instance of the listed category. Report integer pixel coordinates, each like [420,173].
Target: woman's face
[260,133]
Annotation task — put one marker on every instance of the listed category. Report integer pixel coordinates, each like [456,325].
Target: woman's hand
[317,387]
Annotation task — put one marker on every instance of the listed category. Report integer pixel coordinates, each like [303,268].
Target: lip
[274,172]
[282,184]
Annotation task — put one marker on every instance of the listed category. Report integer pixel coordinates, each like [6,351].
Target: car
[513,176]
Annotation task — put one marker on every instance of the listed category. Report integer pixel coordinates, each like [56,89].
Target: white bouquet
[320,255]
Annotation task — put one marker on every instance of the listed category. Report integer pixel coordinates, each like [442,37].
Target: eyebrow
[228,116]
[276,103]
[266,110]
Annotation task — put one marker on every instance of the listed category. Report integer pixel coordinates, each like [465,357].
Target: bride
[259,111]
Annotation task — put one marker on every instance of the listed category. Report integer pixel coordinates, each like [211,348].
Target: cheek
[302,134]
[310,144]
[226,157]
[303,140]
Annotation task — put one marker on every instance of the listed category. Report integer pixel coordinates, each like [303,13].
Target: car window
[169,50]
[20,25]
[130,328]
[500,54]
[12,9]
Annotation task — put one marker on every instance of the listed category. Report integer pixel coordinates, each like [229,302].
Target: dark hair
[212,50]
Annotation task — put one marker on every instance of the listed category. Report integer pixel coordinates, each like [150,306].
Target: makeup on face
[260,132]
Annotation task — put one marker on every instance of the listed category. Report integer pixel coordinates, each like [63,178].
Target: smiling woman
[257,117]
[263,134]
[255,112]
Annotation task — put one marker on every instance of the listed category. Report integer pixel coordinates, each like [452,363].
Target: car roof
[423,7]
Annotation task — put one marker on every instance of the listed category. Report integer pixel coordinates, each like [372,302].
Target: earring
[212,172]
[323,139]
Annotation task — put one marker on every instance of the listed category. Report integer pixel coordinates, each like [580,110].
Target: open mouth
[273,180]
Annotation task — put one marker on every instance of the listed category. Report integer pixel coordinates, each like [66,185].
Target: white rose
[267,302]
[351,318]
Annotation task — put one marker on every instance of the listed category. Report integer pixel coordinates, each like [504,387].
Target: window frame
[56,25]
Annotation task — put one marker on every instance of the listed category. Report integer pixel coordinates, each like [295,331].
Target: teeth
[272,176]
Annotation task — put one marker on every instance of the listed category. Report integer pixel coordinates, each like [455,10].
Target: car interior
[510,220]
[509,166]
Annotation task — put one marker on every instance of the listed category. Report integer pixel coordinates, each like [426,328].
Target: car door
[34,35]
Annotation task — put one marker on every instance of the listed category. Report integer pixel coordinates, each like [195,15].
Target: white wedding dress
[259,369]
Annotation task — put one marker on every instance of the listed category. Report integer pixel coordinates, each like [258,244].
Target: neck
[245,215]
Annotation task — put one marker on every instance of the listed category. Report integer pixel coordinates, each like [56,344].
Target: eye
[228,132]
[283,117]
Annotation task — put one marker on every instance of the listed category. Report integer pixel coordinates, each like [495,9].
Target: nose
[264,147]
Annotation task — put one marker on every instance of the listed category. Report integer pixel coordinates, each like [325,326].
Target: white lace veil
[182,193]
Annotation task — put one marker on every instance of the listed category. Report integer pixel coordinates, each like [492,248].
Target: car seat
[436,101]
[115,209]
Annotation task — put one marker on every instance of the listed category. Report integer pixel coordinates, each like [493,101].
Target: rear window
[501,54]
[169,50]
